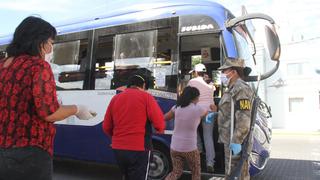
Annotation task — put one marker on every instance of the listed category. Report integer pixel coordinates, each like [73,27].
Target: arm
[200,111]
[45,97]
[169,115]
[213,87]
[155,114]
[204,113]
[213,108]
[191,83]
[242,114]
[63,112]
[107,125]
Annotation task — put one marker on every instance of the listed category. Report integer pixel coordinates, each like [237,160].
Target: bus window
[68,64]
[165,64]
[149,52]
[104,63]
[133,47]
[133,52]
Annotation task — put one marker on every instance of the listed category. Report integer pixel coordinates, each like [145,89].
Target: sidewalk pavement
[295,132]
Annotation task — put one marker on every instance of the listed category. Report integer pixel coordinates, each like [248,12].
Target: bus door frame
[184,34]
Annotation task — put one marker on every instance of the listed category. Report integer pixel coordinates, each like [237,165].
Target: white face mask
[48,57]
[224,79]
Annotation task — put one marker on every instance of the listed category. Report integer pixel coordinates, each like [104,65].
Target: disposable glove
[83,113]
[235,148]
[210,117]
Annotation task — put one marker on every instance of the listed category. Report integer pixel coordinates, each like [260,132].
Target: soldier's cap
[199,68]
[232,62]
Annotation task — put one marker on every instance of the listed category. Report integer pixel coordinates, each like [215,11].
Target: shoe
[210,168]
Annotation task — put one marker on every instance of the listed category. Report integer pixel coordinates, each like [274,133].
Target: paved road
[68,170]
[294,157]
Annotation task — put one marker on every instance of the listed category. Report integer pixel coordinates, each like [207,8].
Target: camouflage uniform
[242,95]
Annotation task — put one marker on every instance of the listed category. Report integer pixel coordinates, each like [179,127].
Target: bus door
[200,48]
[206,49]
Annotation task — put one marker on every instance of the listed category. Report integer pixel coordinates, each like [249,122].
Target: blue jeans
[208,140]
[25,163]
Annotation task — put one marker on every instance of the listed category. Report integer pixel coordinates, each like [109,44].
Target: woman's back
[187,119]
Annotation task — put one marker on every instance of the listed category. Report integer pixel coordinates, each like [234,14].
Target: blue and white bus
[95,55]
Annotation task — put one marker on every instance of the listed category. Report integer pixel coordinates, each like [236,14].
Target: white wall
[306,86]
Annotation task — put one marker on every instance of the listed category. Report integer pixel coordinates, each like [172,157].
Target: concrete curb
[294,132]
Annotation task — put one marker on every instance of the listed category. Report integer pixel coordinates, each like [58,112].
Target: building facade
[294,91]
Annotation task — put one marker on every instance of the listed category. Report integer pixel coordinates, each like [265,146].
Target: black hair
[136,80]
[239,71]
[29,36]
[246,71]
[189,94]
[147,76]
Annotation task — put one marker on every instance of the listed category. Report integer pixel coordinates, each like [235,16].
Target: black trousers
[25,163]
[133,165]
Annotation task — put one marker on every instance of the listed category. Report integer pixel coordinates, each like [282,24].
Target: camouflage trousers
[234,161]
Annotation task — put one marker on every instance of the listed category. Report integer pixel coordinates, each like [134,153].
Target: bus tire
[160,164]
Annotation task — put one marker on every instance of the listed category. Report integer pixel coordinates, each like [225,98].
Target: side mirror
[273,44]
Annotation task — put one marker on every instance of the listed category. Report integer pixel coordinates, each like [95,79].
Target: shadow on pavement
[78,170]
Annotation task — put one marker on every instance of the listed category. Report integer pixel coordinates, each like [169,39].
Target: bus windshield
[244,51]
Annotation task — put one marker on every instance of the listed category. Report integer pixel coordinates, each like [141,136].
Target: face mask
[224,79]
[48,57]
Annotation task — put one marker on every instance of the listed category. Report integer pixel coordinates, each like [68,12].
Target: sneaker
[210,168]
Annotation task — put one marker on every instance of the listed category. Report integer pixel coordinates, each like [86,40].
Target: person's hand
[210,117]
[83,113]
[235,148]
[213,107]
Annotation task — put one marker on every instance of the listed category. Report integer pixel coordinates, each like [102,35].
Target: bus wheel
[160,164]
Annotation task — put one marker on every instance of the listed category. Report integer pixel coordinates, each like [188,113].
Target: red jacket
[129,117]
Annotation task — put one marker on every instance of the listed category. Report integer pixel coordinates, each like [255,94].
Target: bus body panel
[78,143]
[85,139]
